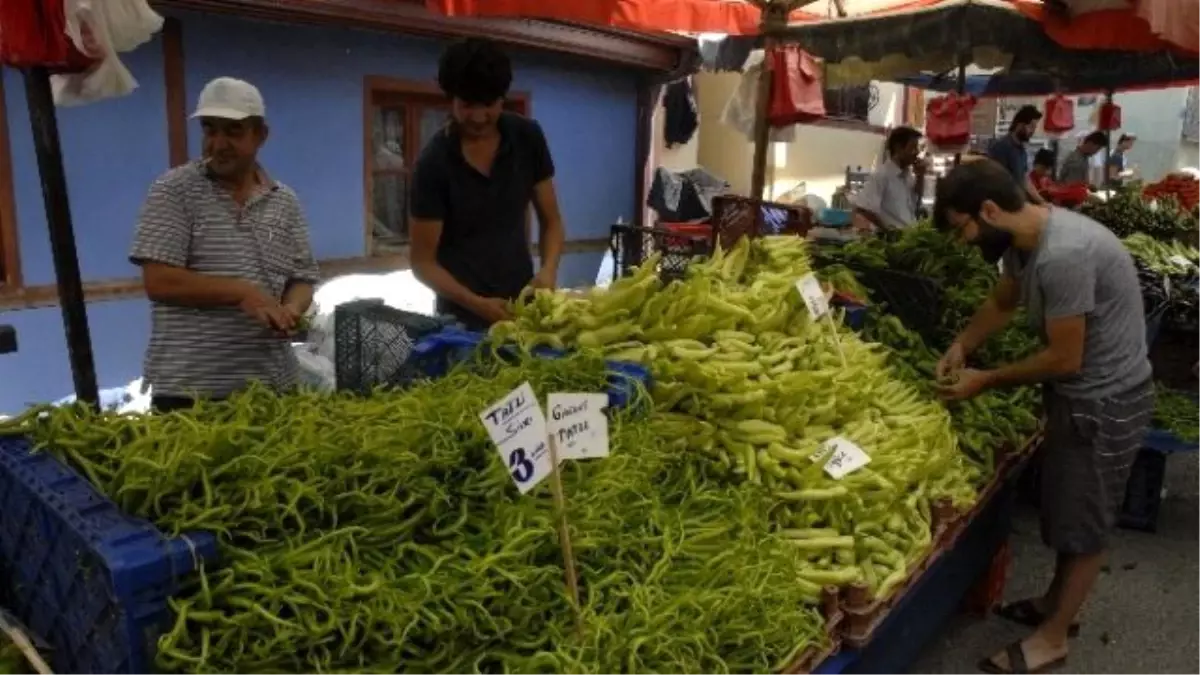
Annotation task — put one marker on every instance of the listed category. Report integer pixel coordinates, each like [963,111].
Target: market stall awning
[1017,36]
[1034,83]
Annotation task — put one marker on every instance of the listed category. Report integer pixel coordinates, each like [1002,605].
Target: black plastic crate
[914,299]
[735,217]
[632,245]
[373,343]
[1143,492]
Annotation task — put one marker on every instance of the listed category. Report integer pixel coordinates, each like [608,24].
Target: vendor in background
[892,194]
[1041,176]
[1076,167]
[1011,149]
[471,192]
[1081,294]
[225,261]
[1118,169]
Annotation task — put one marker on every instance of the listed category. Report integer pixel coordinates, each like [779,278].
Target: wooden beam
[10,244]
[661,52]
[176,98]
[46,295]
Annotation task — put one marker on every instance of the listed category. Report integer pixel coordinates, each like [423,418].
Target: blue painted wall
[312,81]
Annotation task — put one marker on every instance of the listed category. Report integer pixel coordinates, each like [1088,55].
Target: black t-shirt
[484,244]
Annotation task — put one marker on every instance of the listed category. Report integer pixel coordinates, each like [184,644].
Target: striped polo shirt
[190,221]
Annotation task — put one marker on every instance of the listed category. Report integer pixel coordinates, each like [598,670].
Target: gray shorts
[1089,449]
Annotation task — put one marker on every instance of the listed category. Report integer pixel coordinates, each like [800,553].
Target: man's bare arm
[425,235]
[178,286]
[551,232]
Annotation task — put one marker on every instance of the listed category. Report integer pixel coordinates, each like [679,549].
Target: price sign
[578,424]
[813,295]
[846,458]
[517,427]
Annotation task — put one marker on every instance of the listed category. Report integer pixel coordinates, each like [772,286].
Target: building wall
[817,157]
[312,80]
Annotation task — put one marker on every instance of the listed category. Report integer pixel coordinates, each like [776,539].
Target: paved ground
[1143,616]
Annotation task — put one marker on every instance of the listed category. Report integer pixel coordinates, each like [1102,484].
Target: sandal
[1017,663]
[1026,613]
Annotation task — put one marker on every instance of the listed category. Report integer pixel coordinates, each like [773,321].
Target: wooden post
[774,19]
[564,535]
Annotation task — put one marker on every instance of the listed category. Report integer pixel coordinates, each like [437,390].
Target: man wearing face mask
[1080,289]
[471,193]
[225,261]
[1011,150]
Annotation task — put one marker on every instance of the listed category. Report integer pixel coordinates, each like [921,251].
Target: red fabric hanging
[1060,115]
[948,120]
[797,94]
[1109,117]
[33,33]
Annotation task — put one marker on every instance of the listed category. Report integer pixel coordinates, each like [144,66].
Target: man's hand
[493,310]
[268,311]
[545,278]
[963,384]
[954,360]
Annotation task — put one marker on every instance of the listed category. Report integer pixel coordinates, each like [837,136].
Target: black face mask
[992,242]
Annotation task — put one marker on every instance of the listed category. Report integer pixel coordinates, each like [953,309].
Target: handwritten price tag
[846,458]
[517,427]
[813,295]
[578,424]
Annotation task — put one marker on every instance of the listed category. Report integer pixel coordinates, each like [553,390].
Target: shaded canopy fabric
[1010,83]
[1126,25]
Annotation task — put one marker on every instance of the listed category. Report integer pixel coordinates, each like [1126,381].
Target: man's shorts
[1089,449]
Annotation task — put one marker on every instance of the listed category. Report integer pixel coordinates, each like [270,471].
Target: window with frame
[401,119]
[851,103]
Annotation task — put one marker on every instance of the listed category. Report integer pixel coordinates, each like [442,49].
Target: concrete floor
[1144,615]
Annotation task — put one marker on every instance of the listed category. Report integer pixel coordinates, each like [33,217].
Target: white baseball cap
[231,99]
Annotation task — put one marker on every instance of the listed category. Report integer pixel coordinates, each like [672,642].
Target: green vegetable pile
[12,661]
[998,418]
[1168,273]
[749,381]
[383,534]
[1175,411]
[1126,212]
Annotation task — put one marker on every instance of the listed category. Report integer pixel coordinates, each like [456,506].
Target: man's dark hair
[1126,137]
[1027,114]
[900,137]
[1045,157]
[969,185]
[1097,138]
[475,70]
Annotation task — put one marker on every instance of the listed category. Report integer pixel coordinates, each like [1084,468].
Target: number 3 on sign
[520,465]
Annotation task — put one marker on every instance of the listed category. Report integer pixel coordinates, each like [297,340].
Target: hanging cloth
[1060,115]
[948,120]
[742,105]
[103,28]
[34,33]
[797,94]
[682,118]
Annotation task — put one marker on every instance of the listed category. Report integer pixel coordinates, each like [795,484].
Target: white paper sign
[1180,260]
[813,295]
[517,426]
[578,424]
[846,459]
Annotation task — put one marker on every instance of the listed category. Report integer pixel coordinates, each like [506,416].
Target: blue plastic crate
[81,575]
[434,355]
[834,217]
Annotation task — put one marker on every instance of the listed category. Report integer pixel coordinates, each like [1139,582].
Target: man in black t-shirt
[471,192]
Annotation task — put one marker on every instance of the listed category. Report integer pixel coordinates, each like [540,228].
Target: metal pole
[1108,97]
[40,100]
[961,88]
[762,129]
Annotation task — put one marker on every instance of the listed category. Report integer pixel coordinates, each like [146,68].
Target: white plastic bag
[316,371]
[101,29]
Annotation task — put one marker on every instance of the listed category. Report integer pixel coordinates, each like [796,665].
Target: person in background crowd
[1118,168]
[1041,176]
[225,261]
[471,192]
[1080,290]
[892,194]
[1076,167]
[1010,150]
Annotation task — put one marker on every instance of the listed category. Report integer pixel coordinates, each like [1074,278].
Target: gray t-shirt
[1080,267]
[1075,168]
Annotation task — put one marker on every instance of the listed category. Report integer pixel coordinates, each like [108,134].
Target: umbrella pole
[774,18]
[1108,97]
[961,88]
[42,118]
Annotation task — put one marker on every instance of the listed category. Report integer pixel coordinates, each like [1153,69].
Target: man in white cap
[225,261]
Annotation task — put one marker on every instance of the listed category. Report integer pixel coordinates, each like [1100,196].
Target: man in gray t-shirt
[1081,292]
